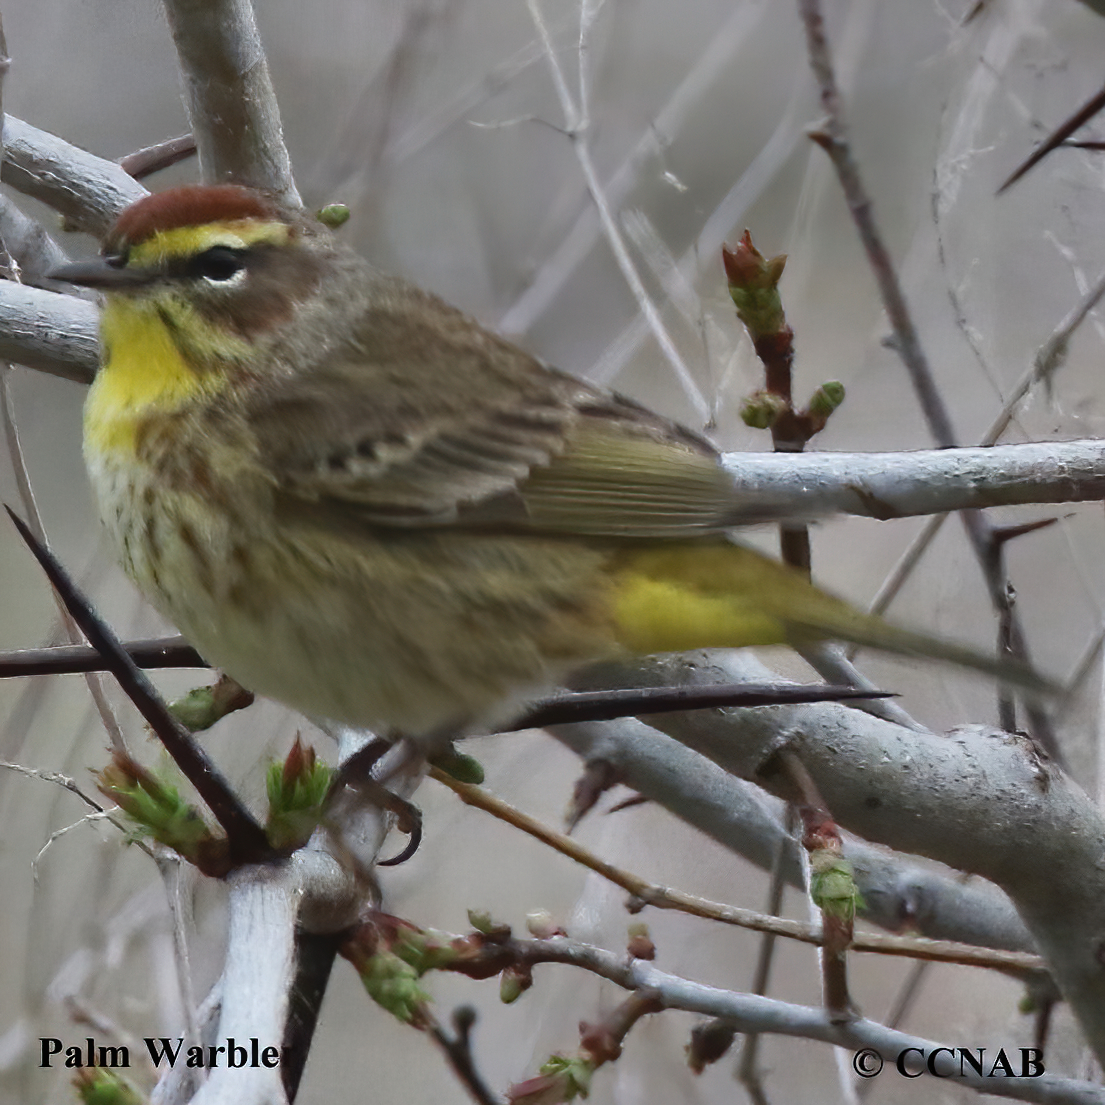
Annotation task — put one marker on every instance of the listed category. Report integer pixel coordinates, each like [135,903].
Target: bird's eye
[219,263]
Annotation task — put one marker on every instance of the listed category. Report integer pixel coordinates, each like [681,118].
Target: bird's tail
[715,594]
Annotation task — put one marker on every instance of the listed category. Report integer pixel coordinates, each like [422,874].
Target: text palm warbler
[358,501]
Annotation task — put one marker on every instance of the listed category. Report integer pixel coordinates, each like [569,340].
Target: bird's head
[215,271]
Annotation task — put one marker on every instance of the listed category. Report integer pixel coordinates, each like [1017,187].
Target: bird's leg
[356,774]
[416,752]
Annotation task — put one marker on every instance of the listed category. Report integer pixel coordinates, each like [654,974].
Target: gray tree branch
[977,800]
[229,95]
[88,191]
[53,333]
[751,1013]
[742,817]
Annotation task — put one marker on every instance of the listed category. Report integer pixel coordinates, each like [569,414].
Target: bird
[357,500]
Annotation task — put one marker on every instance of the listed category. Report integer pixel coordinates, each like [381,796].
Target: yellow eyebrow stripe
[187,241]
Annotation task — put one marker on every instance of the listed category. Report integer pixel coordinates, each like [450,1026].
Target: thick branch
[228,92]
[29,246]
[310,890]
[977,800]
[87,190]
[56,334]
[257,980]
[897,893]
[929,481]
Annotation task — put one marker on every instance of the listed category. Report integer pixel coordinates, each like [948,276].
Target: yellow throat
[144,337]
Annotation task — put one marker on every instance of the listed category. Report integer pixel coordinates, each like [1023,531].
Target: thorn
[597,778]
[1057,137]
[999,535]
[629,803]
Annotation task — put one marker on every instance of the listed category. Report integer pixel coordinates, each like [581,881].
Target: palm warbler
[358,501]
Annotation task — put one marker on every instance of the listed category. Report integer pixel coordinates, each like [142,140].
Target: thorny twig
[93,680]
[832,136]
[246,837]
[457,1049]
[828,870]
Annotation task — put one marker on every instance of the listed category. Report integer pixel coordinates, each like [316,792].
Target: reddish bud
[640,944]
[299,763]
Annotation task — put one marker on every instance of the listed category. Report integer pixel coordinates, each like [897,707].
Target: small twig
[665,898]
[1000,536]
[57,834]
[107,1028]
[345,169]
[748,1070]
[458,1051]
[604,1040]
[754,287]
[1049,357]
[480,958]
[60,780]
[5,65]
[152,159]
[597,777]
[828,659]
[30,509]
[573,121]
[588,13]
[362,150]
[11,270]
[824,846]
[1080,675]
[833,138]
[558,268]
[245,836]
[70,785]
[170,865]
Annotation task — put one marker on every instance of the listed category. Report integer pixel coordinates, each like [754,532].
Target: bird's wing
[469,431]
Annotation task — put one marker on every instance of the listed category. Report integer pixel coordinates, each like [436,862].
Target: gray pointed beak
[100,273]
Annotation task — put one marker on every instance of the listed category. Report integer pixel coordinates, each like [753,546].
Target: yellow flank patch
[671,614]
[187,241]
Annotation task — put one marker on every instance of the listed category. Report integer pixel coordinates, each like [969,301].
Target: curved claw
[357,773]
[411,846]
